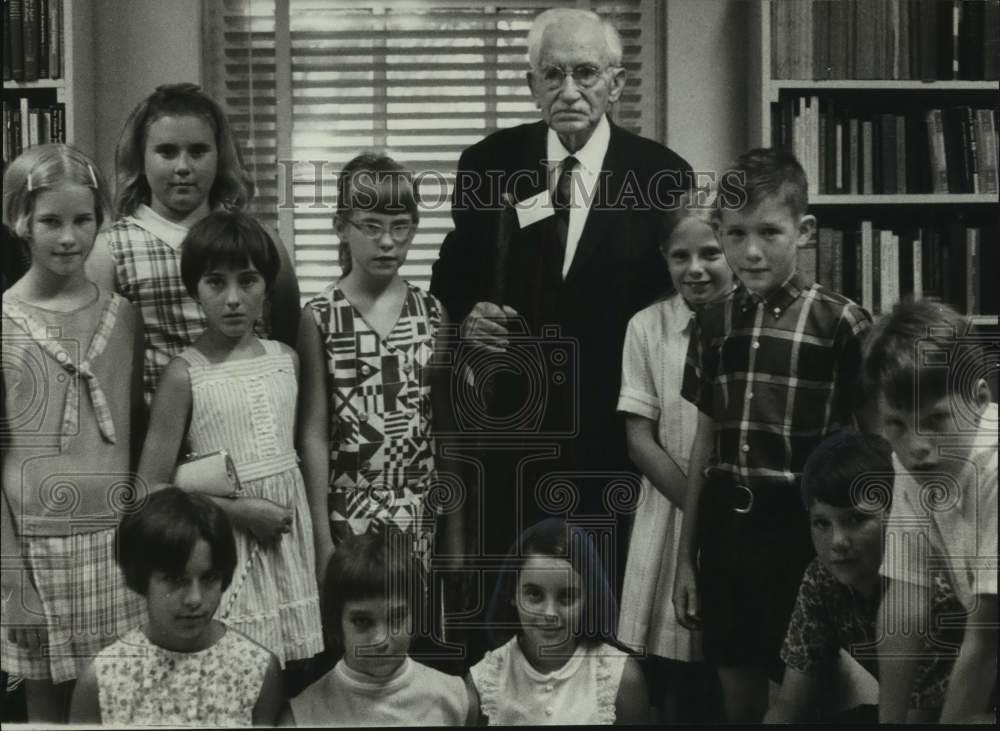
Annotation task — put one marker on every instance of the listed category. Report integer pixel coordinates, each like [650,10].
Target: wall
[139,44]
[707,55]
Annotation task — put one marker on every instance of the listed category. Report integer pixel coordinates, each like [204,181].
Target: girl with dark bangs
[181,667]
[552,617]
[235,392]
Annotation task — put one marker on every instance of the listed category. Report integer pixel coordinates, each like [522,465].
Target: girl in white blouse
[553,617]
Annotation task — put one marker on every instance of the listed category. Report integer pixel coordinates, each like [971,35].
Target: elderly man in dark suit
[554,249]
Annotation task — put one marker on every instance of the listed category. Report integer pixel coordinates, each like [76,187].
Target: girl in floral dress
[181,667]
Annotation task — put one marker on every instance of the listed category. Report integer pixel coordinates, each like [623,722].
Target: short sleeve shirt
[957,526]
[830,616]
[776,374]
[652,363]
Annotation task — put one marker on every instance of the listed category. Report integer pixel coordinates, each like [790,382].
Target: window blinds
[308,84]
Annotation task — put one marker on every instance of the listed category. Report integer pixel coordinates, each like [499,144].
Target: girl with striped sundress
[232,391]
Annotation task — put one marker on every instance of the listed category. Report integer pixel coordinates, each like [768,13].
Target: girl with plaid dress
[177,160]
[72,362]
[367,343]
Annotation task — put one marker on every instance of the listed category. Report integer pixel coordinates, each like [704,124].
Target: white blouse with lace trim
[583,691]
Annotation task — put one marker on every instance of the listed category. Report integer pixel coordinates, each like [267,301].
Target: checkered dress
[87,605]
[777,375]
[381,449]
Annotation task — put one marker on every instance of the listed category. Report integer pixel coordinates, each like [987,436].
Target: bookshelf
[74,88]
[896,214]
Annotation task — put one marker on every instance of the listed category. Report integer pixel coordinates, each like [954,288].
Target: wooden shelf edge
[827,199]
[883,84]
[29,85]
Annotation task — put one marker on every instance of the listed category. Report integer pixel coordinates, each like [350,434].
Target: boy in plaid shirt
[771,369]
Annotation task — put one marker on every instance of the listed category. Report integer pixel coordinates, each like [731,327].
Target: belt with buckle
[734,495]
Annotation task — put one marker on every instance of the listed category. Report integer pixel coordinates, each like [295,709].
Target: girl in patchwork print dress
[72,363]
[368,344]
[230,391]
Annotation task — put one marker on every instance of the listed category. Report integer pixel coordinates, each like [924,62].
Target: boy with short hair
[928,367]
[771,369]
[846,487]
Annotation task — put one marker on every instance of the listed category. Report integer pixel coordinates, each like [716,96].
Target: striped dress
[247,407]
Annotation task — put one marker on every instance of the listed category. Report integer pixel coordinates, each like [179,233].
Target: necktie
[561,198]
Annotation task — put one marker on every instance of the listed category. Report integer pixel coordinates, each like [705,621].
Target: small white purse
[209,474]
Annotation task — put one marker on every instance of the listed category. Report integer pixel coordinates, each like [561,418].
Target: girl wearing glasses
[367,346]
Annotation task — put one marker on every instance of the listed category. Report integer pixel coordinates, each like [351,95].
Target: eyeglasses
[584,76]
[398,232]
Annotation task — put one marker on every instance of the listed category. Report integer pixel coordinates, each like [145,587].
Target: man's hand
[686,596]
[486,326]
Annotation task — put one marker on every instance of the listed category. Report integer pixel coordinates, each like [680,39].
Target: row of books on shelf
[25,126]
[930,40]
[32,40]
[876,267]
[850,150]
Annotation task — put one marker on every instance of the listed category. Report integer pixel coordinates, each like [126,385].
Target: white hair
[553,16]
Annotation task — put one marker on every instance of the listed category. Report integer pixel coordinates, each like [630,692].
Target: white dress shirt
[584,180]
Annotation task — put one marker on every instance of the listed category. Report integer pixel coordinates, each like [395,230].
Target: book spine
[806,261]
[885,270]
[55,38]
[918,266]
[43,39]
[971,271]
[867,267]
[972,37]
[901,171]
[821,152]
[853,157]
[824,256]
[903,41]
[971,149]
[8,72]
[876,271]
[33,128]
[23,119]
[30,40]
[868,157]
[904,269]
[15,37]
[991,40]
[935,138]
[956,22]
[887,154]
[987,150]
[837,257]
